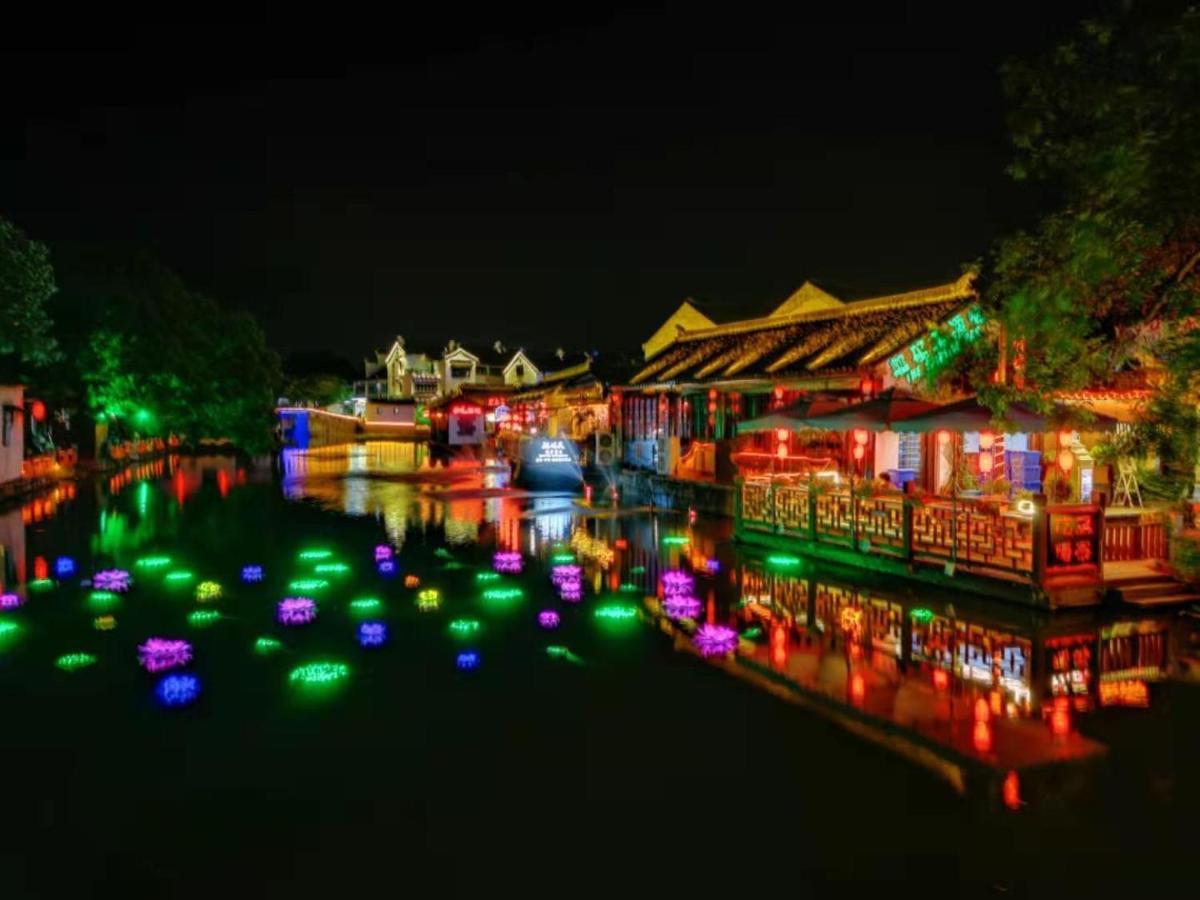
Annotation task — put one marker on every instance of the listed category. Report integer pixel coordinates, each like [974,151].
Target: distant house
[399,375]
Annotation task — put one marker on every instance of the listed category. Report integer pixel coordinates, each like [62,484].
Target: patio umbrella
[875,414]
[791,417]
[971,415]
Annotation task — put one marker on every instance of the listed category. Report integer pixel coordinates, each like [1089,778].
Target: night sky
[553,179]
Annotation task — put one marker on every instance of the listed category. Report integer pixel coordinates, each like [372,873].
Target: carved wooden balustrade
[978,535]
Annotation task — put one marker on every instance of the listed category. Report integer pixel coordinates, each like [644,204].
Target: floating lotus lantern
[159,654]
[412,581]
[681,606]
[509,561]
[252,574]
[73,662]
[175,691]
[467,661]
[117,580]
[548,618]
[208,591]
[386,567]
[676,581]
[319,674]
[429,600]
[11,601]
[383,552]
[372,634]
[559,574]
[296,611]
[104,623]
[715,640]
[64,567]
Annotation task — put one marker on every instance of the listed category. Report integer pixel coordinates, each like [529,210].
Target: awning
[876,414]
[791,418]
[971,415]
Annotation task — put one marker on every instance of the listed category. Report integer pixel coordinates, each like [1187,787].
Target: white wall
[12,450]
[887,451]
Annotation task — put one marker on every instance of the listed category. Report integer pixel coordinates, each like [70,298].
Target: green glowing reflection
[72,662]
[319,674]
[103,600]
[628,588]
[561,558]
[464,627]
[365,606]
[615,612]
[150,563]
[334,568]
[9,632]
[41,584]
[502,594]
[637,570]
[315,554]
[555,651]
[179,576]
[305,585]
[266,645]
[202,618]
[487,576]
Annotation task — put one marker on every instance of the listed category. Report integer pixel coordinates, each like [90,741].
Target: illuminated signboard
[466,424]
[928,355]
[547,459]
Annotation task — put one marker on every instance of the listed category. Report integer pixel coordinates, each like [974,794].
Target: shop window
[909,451]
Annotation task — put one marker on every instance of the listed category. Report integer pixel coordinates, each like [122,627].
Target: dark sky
[549,178]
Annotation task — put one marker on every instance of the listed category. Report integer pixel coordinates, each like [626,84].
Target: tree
[1109,122]
[26,286]
[157,358]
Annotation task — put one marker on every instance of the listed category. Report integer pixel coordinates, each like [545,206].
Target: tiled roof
[823,341]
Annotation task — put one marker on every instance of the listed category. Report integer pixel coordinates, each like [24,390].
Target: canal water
[499,688]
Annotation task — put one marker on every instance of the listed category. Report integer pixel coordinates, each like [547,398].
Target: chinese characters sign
[928,355]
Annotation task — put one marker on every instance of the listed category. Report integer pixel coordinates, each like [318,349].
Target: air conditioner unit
[606,449]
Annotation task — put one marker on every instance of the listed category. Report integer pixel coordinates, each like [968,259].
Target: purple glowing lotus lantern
[115,580]
[715,640]
[10,601]
[507,561]
[675,581]
[560,574]
[681,606]
[382,552]
[571,591]
[548,618]
[159,654]
[296,611]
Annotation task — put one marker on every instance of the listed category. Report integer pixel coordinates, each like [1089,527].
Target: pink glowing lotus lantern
[675,581]
[382,552]
[159,654]
[715,640]
[115,580]
[548,618]
[560,574]
[681,606]
[296,611]
[507,561]
[10,601]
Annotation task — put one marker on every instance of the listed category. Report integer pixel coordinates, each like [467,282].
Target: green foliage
[160,359]
[318,390]
[1110,123]
[26,286]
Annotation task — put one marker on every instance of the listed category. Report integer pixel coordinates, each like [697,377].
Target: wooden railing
[1135,537]
[979,535]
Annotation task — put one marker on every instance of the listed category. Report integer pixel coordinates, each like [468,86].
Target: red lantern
[985,463]
[781,451]
[859,452]
[1012,790]
[712,406]
[867,387]
[982,710]
[860,436]
[37,409]
[982,736]
[1066,460]
[858,689]
[986,440]
[712,393]
[941,679]
[778,392]
[943,438]
[781,434]
[1065,438]
[1060,718]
